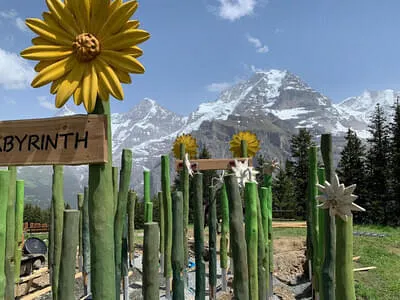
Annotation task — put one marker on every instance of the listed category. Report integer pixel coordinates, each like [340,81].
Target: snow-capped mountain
[273,104]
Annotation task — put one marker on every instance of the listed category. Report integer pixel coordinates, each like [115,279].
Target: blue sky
[199,47]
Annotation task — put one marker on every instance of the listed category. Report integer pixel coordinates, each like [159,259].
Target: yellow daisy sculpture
[253,144]
[190,146]
[86,48]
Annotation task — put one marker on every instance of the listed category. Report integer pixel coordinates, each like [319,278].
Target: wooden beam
[211,164]
[364,269]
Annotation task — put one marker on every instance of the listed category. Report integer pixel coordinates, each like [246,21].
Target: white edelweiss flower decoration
[338,198]
[270,166]
[219,180]
[188,164]
[244,173]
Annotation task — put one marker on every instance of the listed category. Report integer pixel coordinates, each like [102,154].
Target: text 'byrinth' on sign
[72,140]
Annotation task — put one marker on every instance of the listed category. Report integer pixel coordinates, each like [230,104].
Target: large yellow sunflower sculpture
[190,146]
[253,144]
[86,48]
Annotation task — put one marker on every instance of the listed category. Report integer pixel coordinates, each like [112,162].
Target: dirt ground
[289,258]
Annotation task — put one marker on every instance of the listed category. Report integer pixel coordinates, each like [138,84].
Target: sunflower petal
[46,52]
[131,24]
[124,62]
[110,79]
[52,35]
[89,88]
[54,71]
[117,19]
[98,15]
[56,85]
[103,93]
[123,76]
[125,39]
[75,7]
[78,96]
[43,64]
[41,41]
[63,16]
[69,85]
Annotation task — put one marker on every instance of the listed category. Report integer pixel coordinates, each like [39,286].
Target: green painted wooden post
[265,220]
[58,222]
[19,227]
[124,260]
[148,208]
[184,177]
[344,259]
[178,284]
[66,286]
[199,236]
[80,206]
[321,233]
[224,236]
[268,184]
[151,281]
[50,250]
[86,241]
[120,216]
[115,187]
[328,266]
[162,233]
[262,259]
[166,188]
[101,222]
[212,244]
[146,196]
[131,225]
[4,183]
[237,238]
[10,237]
[313,211]
[252,237]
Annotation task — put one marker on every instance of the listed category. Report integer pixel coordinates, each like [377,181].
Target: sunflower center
[86,47]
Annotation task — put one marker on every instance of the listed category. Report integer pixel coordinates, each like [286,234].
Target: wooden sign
[211,164]
[72,140]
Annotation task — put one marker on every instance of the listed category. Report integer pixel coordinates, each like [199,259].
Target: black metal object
[34,245]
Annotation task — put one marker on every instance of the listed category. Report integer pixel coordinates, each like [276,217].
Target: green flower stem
[4,183]
[184,177]
[58,222]
[131,225]
[120,216]
[178,285]
[212,244]
[243,148]
[10,238]
[148,207]
[101,221]
[86,241]
[151,284]
[328,266]
[262,260]
[237,238]
[66,285]
[252,237]
[146,194]
[19,227]
[344,260]
[199,236]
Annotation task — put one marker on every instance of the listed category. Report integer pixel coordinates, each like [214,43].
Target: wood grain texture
[72,140]
[211,164]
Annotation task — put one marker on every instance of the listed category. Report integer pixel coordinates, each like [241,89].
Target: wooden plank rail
[211,164]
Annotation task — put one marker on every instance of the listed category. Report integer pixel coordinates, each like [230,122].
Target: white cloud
[21,24]
[15,73]
[10,14]
[43,102]
[11,101]
[218,87]
[260,48]
[235,9]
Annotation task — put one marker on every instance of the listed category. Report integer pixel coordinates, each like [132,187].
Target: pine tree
[377,168]
[395,164]
[299,150]
[284,194]
[351,169]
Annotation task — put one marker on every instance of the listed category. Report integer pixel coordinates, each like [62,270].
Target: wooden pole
[212,244]
[66,286]
[262,274]
[184,177]
[148,217]
[265,225]
[237,238]
[151,284]
[178,284]
[131,226]
[224,236]
[80,255]
[19,227]
[4,183]
[10,237]
[199,235]
[120,216]
[86,242]
[162,233]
